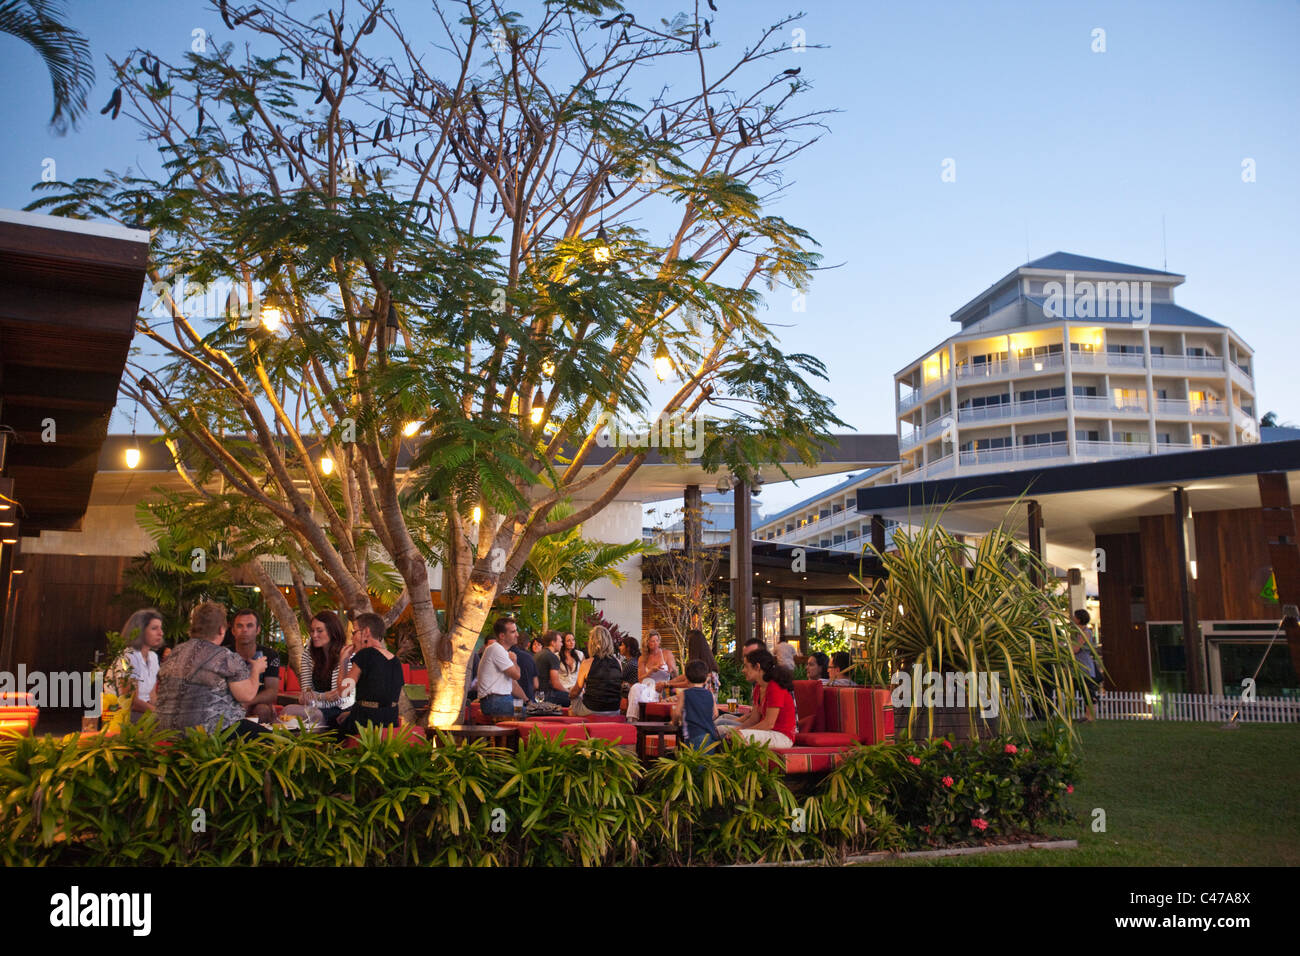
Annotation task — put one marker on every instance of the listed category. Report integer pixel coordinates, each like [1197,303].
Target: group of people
[222,675]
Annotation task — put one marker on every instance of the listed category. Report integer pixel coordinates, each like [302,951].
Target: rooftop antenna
[1164,243]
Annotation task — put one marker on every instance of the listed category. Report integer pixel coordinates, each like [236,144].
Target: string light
[539,407]
[477,514]
[326,465]
[663,363]
[601,253]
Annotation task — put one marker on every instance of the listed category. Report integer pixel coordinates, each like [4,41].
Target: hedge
[144,797]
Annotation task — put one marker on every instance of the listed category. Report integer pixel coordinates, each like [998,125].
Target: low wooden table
[645,729]
[499,736]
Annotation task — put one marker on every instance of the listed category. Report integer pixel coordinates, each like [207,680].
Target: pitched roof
[1069,262]
[844,485]
[1162,313]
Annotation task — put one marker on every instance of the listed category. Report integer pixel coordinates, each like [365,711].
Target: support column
[742,585]
[693,541]
[8,514]
[878,533]
[1183,537]
[1071,444]
[1036,541]
[1283,552]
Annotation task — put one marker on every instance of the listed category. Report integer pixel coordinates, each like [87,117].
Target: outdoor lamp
[539,407]
[548,368]
[601,253]
[477,514]
[410,428]
[132,457]
[326,465]
[392,317]
[663,363]
[724,484]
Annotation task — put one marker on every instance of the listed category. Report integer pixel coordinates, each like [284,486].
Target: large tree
[469,241]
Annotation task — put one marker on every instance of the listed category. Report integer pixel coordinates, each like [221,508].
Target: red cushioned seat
[808,704]
[475,713]
[560,732]
[620,734]
[810,759]
[418,675]
[289,683]
[652,744]
[824,739]
[560,719]
[603,719]
[864,713]
[16,698]
[657,710]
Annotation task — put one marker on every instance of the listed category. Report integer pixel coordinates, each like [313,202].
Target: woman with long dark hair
[321,670]
[697,649]
[771,720]
[570,661]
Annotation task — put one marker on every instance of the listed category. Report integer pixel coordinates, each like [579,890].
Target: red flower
[947,781]
[1069,788]
[914,760]
[946,743]
[1009,749]
[979,824]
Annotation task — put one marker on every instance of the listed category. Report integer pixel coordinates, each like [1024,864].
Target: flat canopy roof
[69,294]
[823,579]
[1082,501]
[655,480]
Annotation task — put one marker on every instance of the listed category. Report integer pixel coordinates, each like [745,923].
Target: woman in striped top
[321,671]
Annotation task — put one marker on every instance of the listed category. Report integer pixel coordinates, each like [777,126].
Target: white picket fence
[1132,705]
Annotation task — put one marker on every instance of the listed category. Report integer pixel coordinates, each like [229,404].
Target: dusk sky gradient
[1056,147]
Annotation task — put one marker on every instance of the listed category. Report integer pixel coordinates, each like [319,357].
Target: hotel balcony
[1000,459]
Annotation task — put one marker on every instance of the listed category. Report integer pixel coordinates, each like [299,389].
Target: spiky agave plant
[955,607]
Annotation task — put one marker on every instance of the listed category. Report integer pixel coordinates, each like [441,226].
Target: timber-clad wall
[62,608]
[1232,563]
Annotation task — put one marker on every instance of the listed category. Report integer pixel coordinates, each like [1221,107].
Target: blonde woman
[598,688]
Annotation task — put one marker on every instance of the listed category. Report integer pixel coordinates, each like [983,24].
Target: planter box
[954,721]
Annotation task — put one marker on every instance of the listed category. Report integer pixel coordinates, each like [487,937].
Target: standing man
[548,670]
[497,673]
[245,630]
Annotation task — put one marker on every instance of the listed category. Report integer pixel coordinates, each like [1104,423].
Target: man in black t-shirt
[548,670]
[245,629]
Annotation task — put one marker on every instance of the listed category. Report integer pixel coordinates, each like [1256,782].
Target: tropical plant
[949,606]
[599,561]
[828,639]
[65,52]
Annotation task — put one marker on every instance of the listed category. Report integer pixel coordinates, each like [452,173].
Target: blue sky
[1055,147]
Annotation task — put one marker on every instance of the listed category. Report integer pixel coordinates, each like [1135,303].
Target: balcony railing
[1039,406]
[1210,408]
[1110,406]
[1186,363]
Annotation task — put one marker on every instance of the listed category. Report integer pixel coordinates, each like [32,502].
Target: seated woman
[838,670]
[816,665]
[771,720]
[134,674]
[693,708]
[655,663]
[599,685]
[570,662]
[376,674]
[629,650]
[320,700]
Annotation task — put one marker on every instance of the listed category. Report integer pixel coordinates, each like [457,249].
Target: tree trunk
[284,614]
[449,690]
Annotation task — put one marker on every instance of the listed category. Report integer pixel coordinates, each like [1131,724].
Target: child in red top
[772,720]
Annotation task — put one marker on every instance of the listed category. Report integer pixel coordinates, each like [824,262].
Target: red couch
[18,715]
[834,720]
[574,730]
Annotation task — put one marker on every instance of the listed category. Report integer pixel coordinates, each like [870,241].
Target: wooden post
[1036,541]
[1283,551]
[8,513]
[878,533]
[1187,592]
[693,519]
[742,587]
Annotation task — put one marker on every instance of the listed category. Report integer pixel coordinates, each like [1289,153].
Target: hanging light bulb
[326,465]
[132,457]
[601,253]
[539,407]
[392,317]
[133,453]
[548,367]
[410,428]
[663,363]
[272,316]
[477,514]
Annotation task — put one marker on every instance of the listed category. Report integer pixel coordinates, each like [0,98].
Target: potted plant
[968,640]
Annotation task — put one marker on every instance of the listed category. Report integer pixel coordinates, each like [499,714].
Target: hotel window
[823,513]
[1131,438]
[1039,351]
[1087,391]
[1087,348]
[789,527]
[988,358]
[824,543]
[1130,399]
[1084,434]
[1034,394]
[1204,440]
[983,401]
[1162,438]
[836,509]
[987,444]
[851,534]
[1043,438]
[1196,351]
[837,540]
[1125,349]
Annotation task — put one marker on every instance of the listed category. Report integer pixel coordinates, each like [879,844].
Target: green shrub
[146,797]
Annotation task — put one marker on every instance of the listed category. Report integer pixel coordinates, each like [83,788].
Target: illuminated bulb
[326,465]
[601,254]
[548,368]
[539,407]
[16,571]
[410,428]
[272,318]
[477,514]
[9,540]
[663,363]
[257,590]
[132,457]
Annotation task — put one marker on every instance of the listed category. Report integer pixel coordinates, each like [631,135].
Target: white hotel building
[1065,359]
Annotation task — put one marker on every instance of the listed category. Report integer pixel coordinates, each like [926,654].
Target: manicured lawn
[1177,794]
